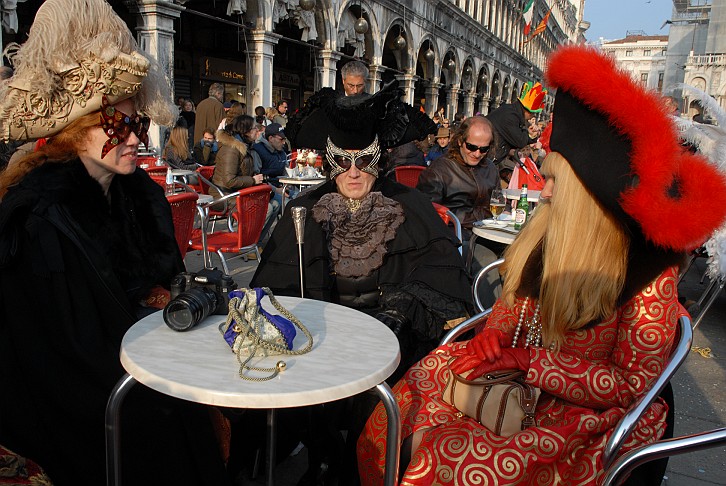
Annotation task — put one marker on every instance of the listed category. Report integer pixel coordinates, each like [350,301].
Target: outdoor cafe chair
[249,214]
[408,174]
[183,211]
[619,468]
[448,217]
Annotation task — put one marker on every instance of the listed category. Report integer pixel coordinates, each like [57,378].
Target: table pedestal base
[113,436]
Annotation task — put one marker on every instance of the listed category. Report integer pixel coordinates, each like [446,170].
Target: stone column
[374,78]
[326,69]
[407,82]
[469,103]
[484,106]
[155,36]
[432,98]
[259,69]
[452,99]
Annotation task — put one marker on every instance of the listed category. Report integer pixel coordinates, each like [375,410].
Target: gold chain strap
[235,315]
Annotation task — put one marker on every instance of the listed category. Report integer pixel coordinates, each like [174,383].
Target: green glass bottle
[522,211]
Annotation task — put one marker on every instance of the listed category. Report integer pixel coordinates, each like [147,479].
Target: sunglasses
[473,148]
[360,162]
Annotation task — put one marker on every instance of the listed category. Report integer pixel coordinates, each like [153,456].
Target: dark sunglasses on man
[473,148]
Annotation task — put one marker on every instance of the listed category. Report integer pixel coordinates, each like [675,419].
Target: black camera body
[194,296]
[210,278]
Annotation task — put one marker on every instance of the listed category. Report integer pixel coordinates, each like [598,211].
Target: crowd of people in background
[78,216]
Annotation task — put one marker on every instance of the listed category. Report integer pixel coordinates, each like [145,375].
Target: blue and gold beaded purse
[252,332]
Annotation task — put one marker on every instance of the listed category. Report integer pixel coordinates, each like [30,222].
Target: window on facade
[646,52]
[629,53]
[660,81]
[644,78]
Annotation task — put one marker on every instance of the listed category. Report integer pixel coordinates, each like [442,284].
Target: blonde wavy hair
[584,256]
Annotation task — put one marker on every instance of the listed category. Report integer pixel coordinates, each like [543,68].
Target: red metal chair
[156,170]
[449,217]
[183,211]
[408,174]
[250,215]
[203,183]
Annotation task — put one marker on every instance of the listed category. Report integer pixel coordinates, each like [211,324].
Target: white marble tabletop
[532,196]
[181,172]
[205,198]
[352,352]
[301,181]
[494,234]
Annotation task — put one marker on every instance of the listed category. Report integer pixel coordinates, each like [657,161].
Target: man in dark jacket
[271,149]
[510,120]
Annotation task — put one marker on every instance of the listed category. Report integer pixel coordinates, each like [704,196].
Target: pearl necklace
[534,327]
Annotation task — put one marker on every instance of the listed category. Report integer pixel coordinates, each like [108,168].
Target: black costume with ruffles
[74,266]
[422,276]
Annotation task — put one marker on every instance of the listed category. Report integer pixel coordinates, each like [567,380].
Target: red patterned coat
[586,387]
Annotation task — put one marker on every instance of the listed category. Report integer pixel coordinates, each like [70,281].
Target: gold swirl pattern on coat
[587,387]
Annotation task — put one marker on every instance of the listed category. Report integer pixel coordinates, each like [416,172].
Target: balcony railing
[707,59]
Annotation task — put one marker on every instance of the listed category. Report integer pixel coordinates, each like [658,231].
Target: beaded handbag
[252,332]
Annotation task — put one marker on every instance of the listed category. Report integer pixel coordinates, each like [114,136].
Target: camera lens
[190,308]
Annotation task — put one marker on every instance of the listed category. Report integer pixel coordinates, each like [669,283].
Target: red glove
[489,343]
[511,359]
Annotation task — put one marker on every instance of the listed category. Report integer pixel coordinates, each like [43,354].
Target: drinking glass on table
[496,202]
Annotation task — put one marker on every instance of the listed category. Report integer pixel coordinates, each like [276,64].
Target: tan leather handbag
[501,401]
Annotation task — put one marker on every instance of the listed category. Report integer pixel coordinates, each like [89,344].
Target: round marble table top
[494,234]
[181,172]
[301,181]
[532,196]
[352,352]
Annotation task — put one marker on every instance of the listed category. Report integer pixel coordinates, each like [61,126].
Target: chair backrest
[448,217]
[408,174]
[252,204]
[156,170]
[204,178]
[183,210]
[484,284]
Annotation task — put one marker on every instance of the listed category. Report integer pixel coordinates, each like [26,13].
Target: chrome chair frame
[480,276]
[616,468]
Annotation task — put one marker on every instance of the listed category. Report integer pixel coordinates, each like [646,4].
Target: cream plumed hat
[77,52]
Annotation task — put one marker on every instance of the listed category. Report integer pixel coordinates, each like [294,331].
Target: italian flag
[527,14]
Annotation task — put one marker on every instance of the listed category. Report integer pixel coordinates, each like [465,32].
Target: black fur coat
[74,265]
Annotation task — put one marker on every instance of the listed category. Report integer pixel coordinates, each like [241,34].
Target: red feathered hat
[624,147]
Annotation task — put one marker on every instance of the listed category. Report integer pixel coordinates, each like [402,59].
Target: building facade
[644,56]
[697,50]
[468,56]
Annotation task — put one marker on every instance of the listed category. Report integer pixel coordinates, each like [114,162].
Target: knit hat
[624,148]
[78,52]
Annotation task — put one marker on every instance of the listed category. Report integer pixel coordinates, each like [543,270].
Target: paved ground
[700,393]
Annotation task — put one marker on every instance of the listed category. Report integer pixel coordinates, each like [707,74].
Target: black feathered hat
[352,122]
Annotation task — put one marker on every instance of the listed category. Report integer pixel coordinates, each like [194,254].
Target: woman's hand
[259,178]
[511,359]
[488,344]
